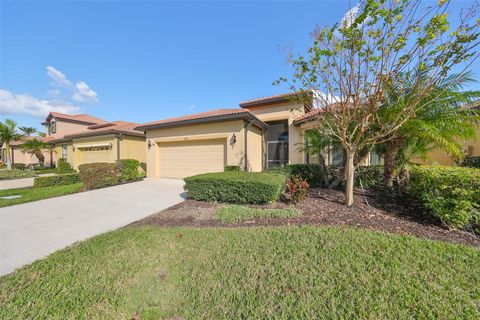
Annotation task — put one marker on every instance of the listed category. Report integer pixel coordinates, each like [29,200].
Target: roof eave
[228,117]
[92,134]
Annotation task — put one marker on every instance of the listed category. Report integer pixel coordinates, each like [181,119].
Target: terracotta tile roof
[270,99]
[208,116]
[124,127]
[308,116]
[84,118]
[26,138]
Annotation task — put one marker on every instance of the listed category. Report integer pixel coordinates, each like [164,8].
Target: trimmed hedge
[236,187]
[129,169]
[58,180]
[471,162]
[100,175]
[63,166]
[232,168]
[16,174]
[451,193]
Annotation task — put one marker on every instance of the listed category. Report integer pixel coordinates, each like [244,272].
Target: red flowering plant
[297,187]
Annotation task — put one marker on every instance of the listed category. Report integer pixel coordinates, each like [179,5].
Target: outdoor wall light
[149,144]
[73,148]
[233,139]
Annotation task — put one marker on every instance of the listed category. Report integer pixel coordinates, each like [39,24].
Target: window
[52,127]
[64,151]
[375,159]
[276,138]
[336,157]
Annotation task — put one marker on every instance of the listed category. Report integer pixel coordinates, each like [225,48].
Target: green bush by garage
[100,175]
[58,180]
[236,187]
[63,166]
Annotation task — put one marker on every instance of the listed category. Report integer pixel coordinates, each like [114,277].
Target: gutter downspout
[245,132]
[119,136]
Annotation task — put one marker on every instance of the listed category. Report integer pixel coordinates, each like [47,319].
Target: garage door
[188,158]
[95,154]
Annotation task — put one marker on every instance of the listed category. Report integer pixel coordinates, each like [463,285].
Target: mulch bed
[325,207]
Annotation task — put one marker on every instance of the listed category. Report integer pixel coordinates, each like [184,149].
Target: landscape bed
[239,273]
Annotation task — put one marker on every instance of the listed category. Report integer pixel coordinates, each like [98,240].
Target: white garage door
[188,158]
[95,154]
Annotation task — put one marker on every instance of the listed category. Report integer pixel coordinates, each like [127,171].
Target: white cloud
[59,78]
[350,16]
[321,99]
[27,104]
[191,107]
[84,93]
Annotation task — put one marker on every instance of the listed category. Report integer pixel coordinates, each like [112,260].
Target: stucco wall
[255,149]
[133,148]
[227,129]
[25,158]
[285,111]
[64,128]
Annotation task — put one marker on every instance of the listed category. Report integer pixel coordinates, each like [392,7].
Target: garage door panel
[187,158]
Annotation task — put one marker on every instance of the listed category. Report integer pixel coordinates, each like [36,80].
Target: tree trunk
[392,148]
[323,164]
[8,154]
[350,176]
[40,157]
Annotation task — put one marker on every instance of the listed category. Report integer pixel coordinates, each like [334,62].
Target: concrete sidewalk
[34,230]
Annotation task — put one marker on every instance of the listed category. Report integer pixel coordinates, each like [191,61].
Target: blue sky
[143,61]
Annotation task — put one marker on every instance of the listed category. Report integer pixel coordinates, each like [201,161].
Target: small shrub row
[100,175]
[370,177]
[451,193]
[63,166]
[16,174]
[471,162]
[236,187]
[235,213]
[231,168]
[58,180]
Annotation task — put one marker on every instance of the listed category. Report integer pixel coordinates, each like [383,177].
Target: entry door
[277,153]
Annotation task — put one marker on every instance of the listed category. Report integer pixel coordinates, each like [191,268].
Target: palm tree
[36,147]
[9,133]
[28,131]
[441,125]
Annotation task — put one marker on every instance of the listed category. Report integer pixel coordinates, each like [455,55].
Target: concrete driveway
[34,230]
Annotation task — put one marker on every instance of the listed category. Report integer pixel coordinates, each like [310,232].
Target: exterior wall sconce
[149,144]
[73,148]
[111,145]
[233,139]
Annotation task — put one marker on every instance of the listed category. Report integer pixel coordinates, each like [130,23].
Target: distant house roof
[285,97]
[79,118]
[123,127]
[17,143]
[204,117]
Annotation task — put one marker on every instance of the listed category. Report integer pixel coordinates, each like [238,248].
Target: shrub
[235,213]
[232,168]
[16,174]
[99,175]
[370,177]
[19,166]
[61,179]
[471,162]
[297,187]
[129,169]
[63,166]
[312,173]
[451,193]
[236,187]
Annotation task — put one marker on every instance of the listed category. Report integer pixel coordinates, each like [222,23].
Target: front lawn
[240,273]
[34,194]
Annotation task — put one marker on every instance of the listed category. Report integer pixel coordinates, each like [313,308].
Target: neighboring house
[264,133]
[18,156]
[85,139]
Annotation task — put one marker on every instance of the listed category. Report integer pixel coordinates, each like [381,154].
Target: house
[19,156]
[263,133]
[85,139]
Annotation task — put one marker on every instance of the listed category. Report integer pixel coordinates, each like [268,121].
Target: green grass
[16,174]
[234,213]
[34,194]
[248,273]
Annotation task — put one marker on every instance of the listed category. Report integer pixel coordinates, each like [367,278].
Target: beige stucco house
[263,133]
[85,139]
